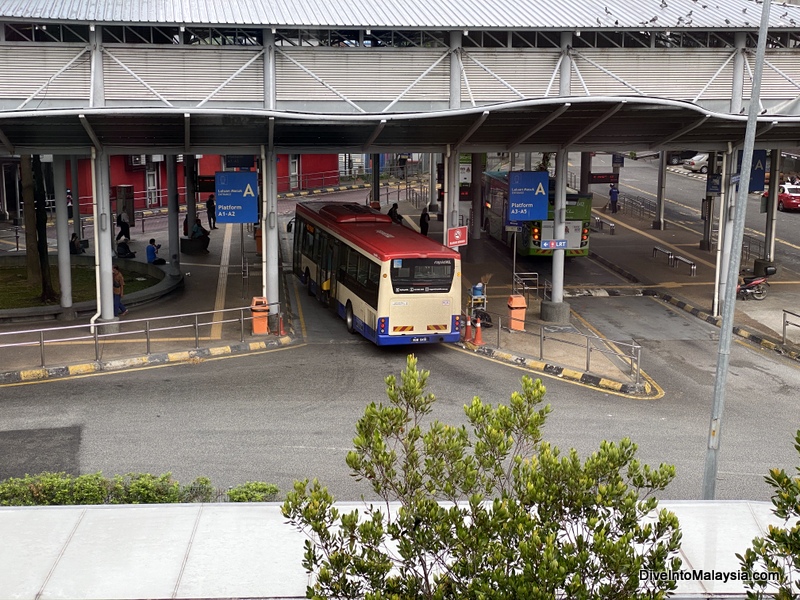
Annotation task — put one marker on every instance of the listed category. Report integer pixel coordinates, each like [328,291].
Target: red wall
[316,170]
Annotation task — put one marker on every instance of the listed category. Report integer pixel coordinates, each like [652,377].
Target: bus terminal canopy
[575,123]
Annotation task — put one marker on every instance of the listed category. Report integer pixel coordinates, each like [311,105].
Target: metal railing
[416,192]
[107,331]
[15,234]
[637,206]
[787,322]
[628,352]
[526,283]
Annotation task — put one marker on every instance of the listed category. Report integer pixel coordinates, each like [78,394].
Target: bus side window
[352,263]
[308,243]
[363,270]
[374,275]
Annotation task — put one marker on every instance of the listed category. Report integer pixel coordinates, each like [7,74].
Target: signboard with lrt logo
[237,196]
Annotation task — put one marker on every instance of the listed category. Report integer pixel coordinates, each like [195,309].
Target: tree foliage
[779,551]
[498,513]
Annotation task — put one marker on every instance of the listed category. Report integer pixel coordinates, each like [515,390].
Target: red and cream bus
[388,282]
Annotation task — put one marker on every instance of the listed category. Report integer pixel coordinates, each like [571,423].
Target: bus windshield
[413,275]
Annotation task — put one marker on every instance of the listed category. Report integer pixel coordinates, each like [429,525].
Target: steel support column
[173,213]
[661,191]
[62,234]
[104,232]
[556,310]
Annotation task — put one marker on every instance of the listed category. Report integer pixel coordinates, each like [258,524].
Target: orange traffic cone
[281,330]
[468,329]
[478,341]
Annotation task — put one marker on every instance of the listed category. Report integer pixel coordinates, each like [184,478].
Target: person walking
[424,220]
[119,291]
[211,211]
[124,225]
[613,197]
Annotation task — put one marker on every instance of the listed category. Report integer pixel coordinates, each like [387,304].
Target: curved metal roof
[577,123]
[413,14]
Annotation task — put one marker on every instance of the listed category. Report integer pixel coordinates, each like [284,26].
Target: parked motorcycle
[755,287]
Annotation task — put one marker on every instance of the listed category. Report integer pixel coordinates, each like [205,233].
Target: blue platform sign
[714,183]
[758,170]
[237,196]
[528,195]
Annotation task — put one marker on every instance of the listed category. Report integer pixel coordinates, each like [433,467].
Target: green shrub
[253,491]
[144,488]
[89,489]
[134,488]
[200,490]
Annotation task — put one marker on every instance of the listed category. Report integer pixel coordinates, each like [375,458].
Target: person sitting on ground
[124,251]
[395,215]
[75,246]
[152,253]
[200,233]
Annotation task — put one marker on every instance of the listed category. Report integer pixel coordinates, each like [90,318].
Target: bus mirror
[289,226]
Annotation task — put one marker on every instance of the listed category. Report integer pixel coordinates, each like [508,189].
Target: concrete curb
[629,389]
[161,358]
[324,190]
[166,285]
[756,338]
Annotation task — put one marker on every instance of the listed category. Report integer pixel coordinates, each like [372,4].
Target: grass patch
[16,293]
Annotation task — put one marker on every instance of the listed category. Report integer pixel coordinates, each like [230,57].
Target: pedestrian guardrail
[636,206]
[149,327]
[600,223]
[12,234]
[526,283]
[788,323]
[628,353]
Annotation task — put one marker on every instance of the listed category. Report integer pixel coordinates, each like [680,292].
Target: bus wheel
[308,283]
[348,318]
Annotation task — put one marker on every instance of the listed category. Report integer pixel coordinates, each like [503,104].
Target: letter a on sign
[248,191]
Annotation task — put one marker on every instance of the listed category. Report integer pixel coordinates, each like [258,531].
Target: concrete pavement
[222,284]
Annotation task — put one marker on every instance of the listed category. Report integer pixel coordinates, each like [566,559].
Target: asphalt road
[290,414]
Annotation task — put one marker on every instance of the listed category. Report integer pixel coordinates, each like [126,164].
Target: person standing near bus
[424,220]
[211,211]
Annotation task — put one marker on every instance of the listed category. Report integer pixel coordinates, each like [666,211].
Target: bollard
[281,330]
[478,341]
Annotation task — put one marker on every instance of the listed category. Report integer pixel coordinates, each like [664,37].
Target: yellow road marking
[299,309]
[549,376]
[663,243]
[649,380]
[697,210]
[222,282]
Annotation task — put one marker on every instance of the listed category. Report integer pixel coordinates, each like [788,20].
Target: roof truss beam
[539,126]
[597,122]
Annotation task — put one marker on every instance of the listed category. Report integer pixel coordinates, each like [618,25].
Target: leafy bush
[777,553]
[493,513]
[134,488]
[253,491]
